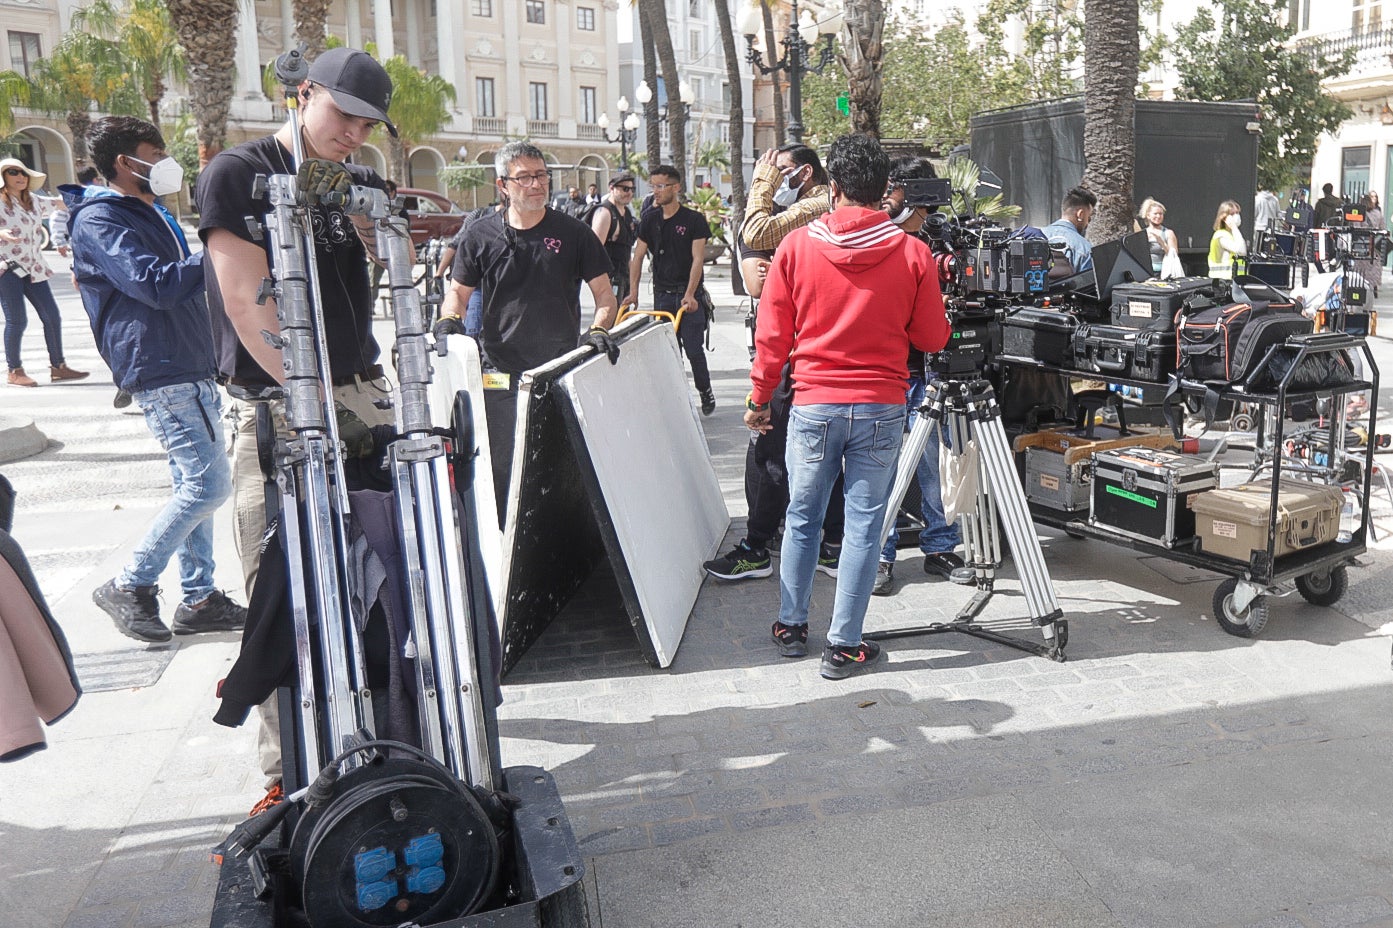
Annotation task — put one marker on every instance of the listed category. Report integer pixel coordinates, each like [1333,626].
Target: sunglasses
[624,187]
[15,172]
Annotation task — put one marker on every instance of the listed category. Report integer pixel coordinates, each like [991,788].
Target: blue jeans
[863,441]
[187,420]
[937,535]
[13,290]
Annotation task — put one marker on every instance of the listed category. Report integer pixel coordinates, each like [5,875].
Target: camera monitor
[927,191]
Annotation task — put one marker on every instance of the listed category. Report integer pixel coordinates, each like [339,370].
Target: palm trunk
[311,17]
[676,110]
[1109,139]
[771,47]
[78,124]
[861,59]
[652,133]
[396,160]
[736,148]
[208,31]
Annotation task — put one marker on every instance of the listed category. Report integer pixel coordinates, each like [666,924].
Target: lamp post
[806,34]
[628,130]
[644,94]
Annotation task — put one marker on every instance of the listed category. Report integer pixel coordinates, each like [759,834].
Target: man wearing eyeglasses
[676,235]
[614,224]
[529,261]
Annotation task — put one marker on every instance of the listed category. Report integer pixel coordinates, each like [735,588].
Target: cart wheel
[1324,589]
[1246,624]
[1241,422]
[1074,533]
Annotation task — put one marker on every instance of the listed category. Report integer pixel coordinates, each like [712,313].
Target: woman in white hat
[25,274]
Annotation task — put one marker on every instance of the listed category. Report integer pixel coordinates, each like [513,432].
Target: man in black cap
[345,97]
[617,229]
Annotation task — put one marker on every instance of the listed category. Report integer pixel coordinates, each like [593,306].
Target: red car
[430,214]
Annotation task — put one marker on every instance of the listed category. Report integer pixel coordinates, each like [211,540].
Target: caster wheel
[1324,589]
[1245,624]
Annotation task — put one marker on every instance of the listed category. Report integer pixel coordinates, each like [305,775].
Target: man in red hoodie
[844,300]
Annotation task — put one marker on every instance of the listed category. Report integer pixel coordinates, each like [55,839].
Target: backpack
[615,222]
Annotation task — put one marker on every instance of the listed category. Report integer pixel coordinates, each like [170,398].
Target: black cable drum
[353,857]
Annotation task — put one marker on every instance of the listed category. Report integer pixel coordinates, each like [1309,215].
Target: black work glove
[322,181]
[447,325]
[357,438]
[600,340]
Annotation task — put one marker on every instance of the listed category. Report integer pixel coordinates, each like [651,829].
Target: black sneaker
[122,399]
[884,579]
[948,565]
[217,614]
[708,402]
[741,562]
[827,558]
[791,639]
[136,612]
[841,661]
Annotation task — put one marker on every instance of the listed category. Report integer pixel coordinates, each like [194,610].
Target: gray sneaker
[884,579]
[136,612]
[217,614]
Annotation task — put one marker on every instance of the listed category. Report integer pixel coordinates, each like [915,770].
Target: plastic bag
[1171,267]
[957,479]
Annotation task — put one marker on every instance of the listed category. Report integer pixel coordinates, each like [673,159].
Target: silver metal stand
[968,410]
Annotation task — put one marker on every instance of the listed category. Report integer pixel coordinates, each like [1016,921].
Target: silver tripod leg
[906,470]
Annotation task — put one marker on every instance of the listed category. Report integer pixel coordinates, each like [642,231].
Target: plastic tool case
[1153,304]
[1233,523]
[1146,493]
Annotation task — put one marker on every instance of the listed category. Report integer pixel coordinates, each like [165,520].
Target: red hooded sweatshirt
[845,298]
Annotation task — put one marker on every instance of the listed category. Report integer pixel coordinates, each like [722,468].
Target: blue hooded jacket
[143,292]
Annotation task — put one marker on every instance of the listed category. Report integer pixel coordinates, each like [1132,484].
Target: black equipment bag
[1134,354]
[1154,304]
[1043,335]
[1226,343]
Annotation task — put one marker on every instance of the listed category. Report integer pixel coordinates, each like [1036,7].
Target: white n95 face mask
[166,175]
[787,194]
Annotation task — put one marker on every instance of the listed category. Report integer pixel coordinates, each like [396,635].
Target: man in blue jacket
[143,292]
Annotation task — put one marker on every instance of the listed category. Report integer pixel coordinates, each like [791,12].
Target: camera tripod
[968,410]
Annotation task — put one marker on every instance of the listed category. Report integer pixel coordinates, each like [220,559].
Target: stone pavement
[1166,774]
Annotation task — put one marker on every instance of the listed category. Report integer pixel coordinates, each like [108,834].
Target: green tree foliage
[14,91]
[1241,54]
[84,69]
[420,109]
[145,35]
[1049,61]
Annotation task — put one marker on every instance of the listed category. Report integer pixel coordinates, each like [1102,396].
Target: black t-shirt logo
[553,245]
[330,228]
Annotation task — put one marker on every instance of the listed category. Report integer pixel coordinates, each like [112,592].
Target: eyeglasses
[531,180]
[661,186]
[15,172]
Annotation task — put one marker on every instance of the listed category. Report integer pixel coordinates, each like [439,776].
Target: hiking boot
[20,379]
[136,612]
[274,797]
[948,565]
[217,614]
[791,639]
[121,400]
[827,558]
[708,402]
[740,562]
[62,372]
[884,579]
[840,661]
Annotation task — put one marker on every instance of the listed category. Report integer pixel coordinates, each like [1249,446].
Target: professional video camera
[983,269]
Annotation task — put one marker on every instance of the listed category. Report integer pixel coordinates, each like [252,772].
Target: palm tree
[144,33]
[14,91]
[652,132]
[861,59]
[82,70]
[655,12]
[772,48]
[420,108]
[736,132]
[311,24]
[1110,63]
[208,31]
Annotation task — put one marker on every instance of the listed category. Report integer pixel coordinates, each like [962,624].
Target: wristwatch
[752,406]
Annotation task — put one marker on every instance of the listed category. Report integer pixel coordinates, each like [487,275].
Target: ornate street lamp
[807,34]
[628,129]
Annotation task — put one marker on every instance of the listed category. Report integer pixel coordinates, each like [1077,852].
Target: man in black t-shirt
[676,236]
[615,226]
[344,99]
[529,260]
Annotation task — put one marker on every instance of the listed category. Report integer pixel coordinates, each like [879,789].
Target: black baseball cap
[359,85]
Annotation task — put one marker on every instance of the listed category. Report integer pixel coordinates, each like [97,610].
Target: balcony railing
[490,125]
[1373,48]
[590,131]
[543,128]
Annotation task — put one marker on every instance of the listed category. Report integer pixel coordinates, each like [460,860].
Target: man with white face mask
[143,292]
[789,190]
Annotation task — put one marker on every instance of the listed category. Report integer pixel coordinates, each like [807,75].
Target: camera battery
[1148,494]
[1153,304]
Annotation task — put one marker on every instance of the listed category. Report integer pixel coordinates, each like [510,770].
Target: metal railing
[1373,48]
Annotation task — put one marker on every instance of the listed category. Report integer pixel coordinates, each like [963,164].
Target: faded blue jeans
[13,291]
[187,420]
[937,535]
[861,440]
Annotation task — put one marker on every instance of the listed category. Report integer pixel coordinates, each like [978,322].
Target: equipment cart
[1318,572]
